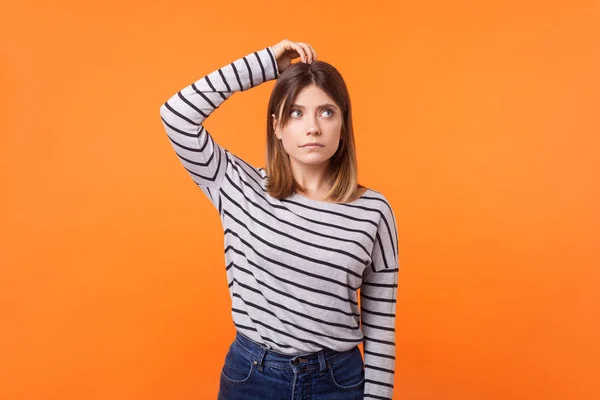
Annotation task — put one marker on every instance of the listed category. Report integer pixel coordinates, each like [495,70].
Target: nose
[313,126]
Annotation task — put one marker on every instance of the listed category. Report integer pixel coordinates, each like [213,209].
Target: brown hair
[342,165]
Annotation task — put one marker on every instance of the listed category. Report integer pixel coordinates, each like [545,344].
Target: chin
[314,161]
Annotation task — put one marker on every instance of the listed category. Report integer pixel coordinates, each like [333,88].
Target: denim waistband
[263,355]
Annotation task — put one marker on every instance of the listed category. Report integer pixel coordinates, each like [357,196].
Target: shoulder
[263,172]
[239,163]
[377,197]
[383,206]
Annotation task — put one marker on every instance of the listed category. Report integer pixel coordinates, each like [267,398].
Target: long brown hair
[342,165]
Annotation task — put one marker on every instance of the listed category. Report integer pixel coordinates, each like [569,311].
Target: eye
[330,110]
[325,110]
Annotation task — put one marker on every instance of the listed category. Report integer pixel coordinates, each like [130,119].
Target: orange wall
[478,120]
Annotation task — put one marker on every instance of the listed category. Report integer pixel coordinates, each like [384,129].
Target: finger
[301,51]
[313,51]
[307,51]
[293,46]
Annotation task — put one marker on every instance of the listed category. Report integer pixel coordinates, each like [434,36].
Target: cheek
[287,142]
[290,134]
[335,125]
[335,131]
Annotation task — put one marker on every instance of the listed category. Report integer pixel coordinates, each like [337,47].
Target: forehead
[312,96]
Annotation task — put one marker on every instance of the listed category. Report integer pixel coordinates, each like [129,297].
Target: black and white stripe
[303,275]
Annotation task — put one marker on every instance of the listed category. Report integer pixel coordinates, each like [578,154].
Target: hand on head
[287,50]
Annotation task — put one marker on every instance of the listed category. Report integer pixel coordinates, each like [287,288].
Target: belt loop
[261,356]
[322,363]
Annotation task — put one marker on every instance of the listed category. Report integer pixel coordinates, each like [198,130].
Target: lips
[312,145]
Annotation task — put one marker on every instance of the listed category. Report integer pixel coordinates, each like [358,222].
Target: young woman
[301,237]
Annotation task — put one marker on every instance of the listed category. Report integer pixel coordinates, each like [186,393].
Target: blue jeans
[252,371]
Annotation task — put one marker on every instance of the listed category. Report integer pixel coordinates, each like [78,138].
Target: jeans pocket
[348,371]
[238,367]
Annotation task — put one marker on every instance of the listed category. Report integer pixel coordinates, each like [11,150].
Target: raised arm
[378,311]
[183,114]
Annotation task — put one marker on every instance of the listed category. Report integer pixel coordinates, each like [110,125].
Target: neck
[313,179]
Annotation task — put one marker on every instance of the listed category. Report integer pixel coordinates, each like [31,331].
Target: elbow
[163,110]
[165,113]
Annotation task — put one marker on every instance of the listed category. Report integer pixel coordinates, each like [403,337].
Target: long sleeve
[183,114]
[378,311]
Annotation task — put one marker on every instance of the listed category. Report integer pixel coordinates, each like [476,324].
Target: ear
[275,126]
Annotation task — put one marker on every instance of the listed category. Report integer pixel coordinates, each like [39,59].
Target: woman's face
[314,118]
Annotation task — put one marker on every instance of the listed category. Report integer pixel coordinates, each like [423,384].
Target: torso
[360,192]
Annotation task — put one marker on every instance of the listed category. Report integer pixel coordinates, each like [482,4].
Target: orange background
[477,120]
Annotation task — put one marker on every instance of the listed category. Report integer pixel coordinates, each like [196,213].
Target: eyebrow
[321,106]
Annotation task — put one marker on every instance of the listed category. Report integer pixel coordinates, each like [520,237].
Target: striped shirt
[296,267]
